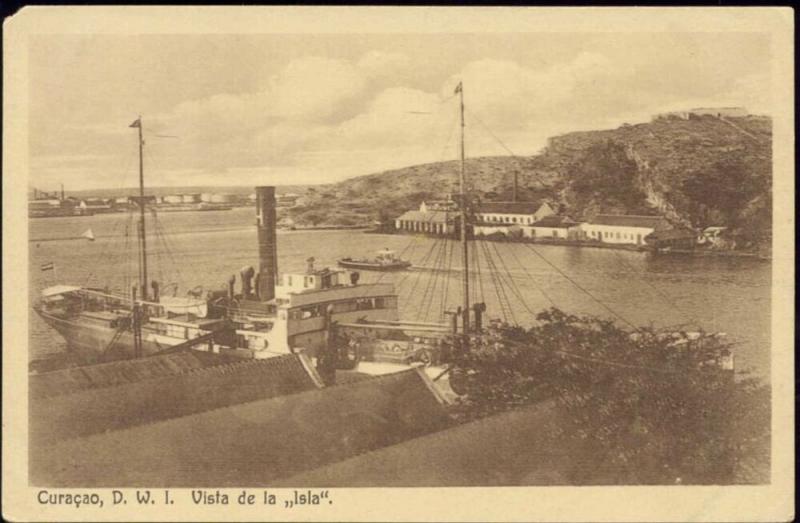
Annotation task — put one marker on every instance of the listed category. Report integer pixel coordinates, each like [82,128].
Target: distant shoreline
[700,253]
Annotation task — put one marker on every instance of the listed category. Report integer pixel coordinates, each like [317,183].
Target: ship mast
[465,249]
[141,201]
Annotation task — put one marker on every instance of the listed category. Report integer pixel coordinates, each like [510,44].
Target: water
[202,249]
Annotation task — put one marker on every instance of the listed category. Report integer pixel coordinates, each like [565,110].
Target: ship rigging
[309,311]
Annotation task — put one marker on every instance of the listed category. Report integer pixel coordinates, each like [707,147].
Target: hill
[701,171]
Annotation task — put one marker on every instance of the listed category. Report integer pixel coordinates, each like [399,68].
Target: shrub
[647,407]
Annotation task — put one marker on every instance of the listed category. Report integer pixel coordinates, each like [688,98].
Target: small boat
[88,234]
[385,260]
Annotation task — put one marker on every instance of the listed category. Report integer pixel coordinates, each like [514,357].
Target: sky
[296,109]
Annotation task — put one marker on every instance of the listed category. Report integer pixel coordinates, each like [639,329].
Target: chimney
[266,220]
[62,192]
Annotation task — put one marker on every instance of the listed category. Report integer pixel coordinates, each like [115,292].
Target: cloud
[379,64]
[330,114]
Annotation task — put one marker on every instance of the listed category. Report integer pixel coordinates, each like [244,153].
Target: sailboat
[99,324]
[88,234]
[270,316]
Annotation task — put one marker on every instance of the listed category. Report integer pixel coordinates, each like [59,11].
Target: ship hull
[368,266]
[91,343]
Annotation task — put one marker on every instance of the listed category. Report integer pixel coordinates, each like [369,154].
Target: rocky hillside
[700,171]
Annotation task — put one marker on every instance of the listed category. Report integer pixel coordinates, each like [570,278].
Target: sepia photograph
[291,260]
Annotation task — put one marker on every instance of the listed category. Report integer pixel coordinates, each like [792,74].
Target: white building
[512,213]
[619,228]
[719,112]
[554,227]
[427,221]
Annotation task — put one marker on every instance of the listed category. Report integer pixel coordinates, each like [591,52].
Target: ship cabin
[304,300]
[297,318]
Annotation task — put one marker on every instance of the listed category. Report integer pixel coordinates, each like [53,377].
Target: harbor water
[200,250]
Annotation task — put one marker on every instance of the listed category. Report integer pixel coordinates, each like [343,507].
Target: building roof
[555,222]
[252,443]
[631,220]
[427,216]
[182,390]
[505,449]
[509,207]
[66,381]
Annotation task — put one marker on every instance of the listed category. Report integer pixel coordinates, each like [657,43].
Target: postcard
[398,264]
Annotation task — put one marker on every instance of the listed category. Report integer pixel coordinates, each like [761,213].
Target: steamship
[269,315]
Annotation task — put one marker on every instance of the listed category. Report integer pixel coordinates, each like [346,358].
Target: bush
[643,408]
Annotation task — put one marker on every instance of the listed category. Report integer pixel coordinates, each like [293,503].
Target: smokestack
[62,192]
[266,221]
[231,283]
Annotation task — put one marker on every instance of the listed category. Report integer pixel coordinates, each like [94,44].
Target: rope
[128,253]
[663,295]
[105,254]
[419,274]
[503,289]
[439,276]
[503,145]
[514,289]
[446,286]
[499,292]
[478,271]
[530,277]
[581,288]
[431,279]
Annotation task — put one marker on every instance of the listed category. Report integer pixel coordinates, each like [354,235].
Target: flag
[49,266]
[137,123]
[458,88]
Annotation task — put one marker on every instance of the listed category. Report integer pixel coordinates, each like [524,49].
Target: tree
[646,407]
[604,172]
[722,189]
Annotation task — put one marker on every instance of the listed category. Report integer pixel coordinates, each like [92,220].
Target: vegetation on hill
[702,171]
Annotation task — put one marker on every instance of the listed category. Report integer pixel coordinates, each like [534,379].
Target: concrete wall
[560,233]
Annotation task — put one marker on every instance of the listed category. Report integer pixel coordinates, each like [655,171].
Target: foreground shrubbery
[649,407]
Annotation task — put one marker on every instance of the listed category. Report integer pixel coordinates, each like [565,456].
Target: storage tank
[191,198]
[221,198]
[173,198]
[206,197]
